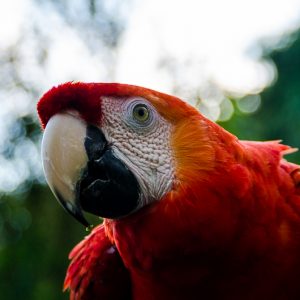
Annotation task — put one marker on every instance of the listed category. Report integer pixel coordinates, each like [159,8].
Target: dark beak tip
[80,218]
[73,210]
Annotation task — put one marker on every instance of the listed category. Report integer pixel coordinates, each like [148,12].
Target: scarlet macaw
[190,211]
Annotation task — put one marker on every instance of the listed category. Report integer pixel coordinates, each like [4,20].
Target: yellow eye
[141,113]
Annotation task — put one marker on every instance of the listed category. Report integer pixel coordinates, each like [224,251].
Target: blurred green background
[48,42]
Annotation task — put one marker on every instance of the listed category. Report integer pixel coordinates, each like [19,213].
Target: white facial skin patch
[140,137]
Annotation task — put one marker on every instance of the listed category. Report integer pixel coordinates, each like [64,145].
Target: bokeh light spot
[249,104]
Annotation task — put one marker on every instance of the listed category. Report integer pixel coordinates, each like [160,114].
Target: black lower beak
[107,188]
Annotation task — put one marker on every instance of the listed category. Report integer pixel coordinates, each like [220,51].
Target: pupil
[141,112]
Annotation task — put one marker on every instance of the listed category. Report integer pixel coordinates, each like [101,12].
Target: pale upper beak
[64,157]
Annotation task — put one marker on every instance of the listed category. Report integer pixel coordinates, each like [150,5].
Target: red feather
[97,269]
[85,98]
[235,235]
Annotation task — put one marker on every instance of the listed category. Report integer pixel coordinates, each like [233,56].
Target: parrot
[189,211]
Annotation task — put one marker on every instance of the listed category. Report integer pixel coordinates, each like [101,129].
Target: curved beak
[64,157]
[83,172]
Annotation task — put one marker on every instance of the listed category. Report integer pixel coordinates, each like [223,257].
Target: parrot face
[110,161]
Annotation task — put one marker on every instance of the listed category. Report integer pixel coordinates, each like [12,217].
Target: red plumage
[88,276]
[228,229]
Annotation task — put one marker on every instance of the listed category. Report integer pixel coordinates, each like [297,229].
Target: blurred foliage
[33,262]
[278,117]
[36,235]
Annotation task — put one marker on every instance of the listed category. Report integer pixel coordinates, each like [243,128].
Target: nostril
[95,143]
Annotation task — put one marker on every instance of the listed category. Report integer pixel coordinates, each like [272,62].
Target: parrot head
[110,149]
